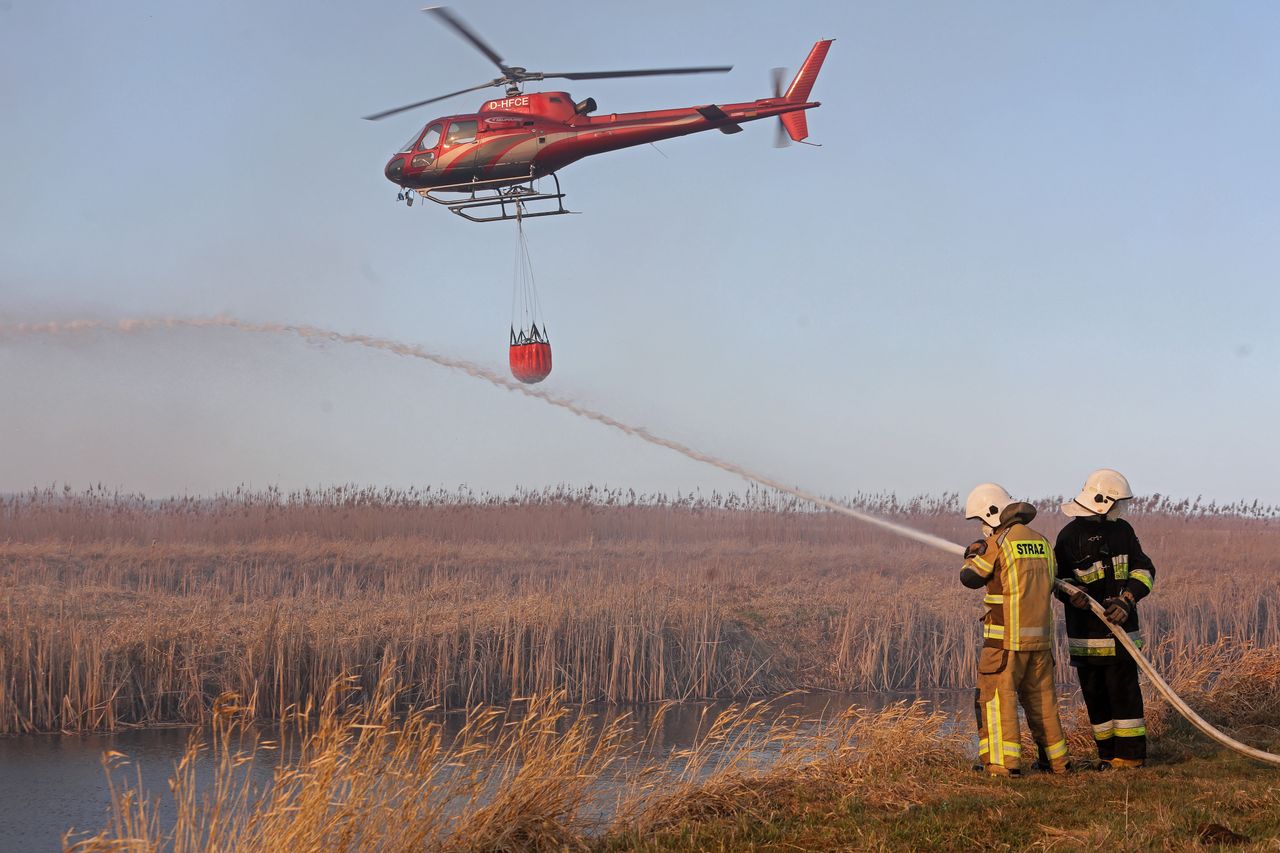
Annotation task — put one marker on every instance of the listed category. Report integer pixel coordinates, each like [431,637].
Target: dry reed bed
[545,777]
[541,778]
[118,611]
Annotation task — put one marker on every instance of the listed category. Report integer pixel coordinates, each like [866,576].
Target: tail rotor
[780,137]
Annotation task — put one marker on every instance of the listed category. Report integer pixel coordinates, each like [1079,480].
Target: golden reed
[116,610]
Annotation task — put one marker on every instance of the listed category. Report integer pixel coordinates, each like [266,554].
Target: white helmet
[986,502]
[1102,495]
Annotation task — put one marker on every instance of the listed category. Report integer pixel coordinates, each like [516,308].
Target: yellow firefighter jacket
[1019,567]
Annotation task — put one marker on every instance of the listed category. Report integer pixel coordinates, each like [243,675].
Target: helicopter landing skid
[510,199]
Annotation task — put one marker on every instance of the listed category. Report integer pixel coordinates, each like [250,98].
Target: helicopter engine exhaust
[585,107]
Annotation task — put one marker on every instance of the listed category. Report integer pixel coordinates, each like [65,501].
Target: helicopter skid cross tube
[507,194]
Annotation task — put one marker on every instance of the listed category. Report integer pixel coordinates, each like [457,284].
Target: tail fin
[796,124]
[802,85]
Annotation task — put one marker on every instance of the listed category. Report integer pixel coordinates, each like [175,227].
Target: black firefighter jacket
[1105,558]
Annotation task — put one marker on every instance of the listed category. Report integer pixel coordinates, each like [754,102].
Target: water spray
[315,333]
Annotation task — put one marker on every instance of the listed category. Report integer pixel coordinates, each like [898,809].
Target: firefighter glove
[1078,598]
[975,549]
[1118,609]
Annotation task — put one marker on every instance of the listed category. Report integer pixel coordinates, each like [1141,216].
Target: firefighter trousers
[1113,697]
[1006,678]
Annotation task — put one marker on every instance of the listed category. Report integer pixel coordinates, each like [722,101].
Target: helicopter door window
[431,138]
[460,132]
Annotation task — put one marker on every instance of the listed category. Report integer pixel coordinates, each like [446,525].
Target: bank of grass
[911,786]
[1183,800]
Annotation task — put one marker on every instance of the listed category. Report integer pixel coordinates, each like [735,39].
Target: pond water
[50,784]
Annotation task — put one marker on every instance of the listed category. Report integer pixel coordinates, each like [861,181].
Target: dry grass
[361,777]
[118,611]
[527,779]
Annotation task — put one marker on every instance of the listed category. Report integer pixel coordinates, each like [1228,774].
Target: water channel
[53,783]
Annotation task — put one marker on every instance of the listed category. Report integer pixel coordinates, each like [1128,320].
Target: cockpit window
[461,131]
[431,138]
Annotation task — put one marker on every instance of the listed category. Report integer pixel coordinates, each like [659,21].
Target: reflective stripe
[1096,572]
[993,599]
[1120,567]
[1131,728]
[1103,731]
[981,565]
[994,730]
[1056,750]
[1084,647]
[1099,647]
[1013,609]
[1143,576]
[1031,632]
[993,632]
[1011,750]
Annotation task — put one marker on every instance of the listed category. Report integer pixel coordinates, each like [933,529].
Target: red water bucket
[530,363]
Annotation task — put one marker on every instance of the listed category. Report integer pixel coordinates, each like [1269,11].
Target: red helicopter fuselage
[522,136]
[539,133]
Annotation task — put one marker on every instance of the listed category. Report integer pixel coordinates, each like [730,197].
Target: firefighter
[1099,554]
[1016,565]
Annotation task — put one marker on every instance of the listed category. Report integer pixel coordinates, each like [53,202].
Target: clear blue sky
[1076,201]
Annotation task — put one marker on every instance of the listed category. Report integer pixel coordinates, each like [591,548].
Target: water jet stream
[314,333]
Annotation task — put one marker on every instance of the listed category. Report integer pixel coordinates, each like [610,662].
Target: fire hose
[1154,677]
[941,544]
[1166,691]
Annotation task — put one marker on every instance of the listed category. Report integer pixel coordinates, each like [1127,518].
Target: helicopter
[484,166]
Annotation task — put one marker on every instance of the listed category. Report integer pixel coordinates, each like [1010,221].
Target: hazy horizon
[1076,202]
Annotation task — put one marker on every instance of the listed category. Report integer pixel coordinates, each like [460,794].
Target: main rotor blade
[643,72]
[445,14]
[414,106]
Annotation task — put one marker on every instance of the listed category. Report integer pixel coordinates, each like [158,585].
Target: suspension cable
[526,307]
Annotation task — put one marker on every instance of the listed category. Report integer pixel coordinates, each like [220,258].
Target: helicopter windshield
[430,138]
